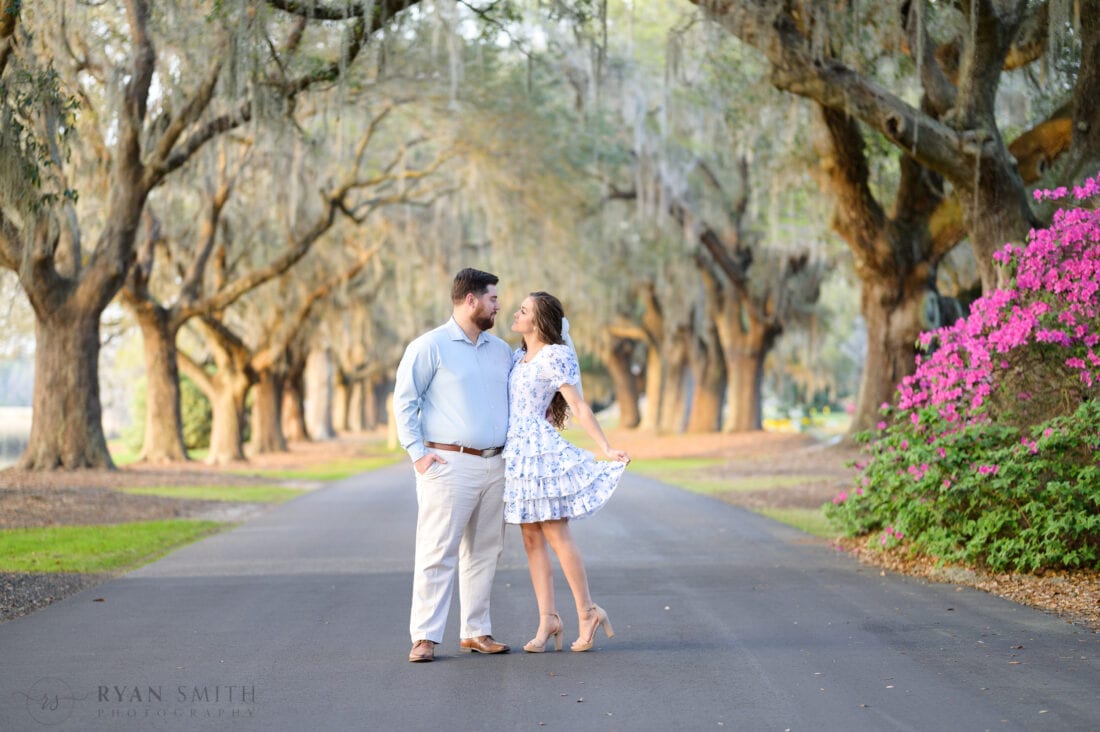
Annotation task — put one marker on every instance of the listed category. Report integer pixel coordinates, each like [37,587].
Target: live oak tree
[753,290]
[955,130]
[710,174]
[272,364]
[239,365]
[958,175]
[101,104]
[365,351]
[371,184]
[200,283]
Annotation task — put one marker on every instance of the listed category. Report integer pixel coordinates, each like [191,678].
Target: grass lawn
[114,547]
[697,475]
[244,493]
[690,473]
[93,549]
[333,469]
[810,520]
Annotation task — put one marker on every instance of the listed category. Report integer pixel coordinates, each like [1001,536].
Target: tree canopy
[712,188]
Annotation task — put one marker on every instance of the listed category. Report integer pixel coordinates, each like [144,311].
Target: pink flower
[1047,311]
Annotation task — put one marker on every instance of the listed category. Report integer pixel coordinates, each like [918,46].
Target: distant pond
[15,427]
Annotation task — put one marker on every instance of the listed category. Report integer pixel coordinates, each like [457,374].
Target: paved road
[297,621]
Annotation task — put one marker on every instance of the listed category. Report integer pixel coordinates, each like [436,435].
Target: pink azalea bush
[992,453]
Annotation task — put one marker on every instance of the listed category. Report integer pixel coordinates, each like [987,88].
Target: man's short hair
[471,281]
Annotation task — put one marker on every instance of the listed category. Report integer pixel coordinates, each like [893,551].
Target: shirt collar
[454,330]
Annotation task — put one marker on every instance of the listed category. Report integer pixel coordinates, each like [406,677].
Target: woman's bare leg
[572,565]
[542,577]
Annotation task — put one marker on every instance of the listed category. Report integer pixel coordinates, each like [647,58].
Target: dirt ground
[91,497]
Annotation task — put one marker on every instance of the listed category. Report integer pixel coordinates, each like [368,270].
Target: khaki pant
[459,525]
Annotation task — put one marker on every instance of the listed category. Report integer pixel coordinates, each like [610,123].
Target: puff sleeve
[560,366]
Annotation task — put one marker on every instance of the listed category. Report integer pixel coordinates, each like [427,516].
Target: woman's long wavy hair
[548,316]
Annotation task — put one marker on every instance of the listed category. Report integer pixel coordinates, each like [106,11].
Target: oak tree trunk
[294,414]
[341,390]
[163,441]
[357,406]
[67,417]
[227,429]
[319,395]
[995,213]
[227,389]
[745,378]
[673,396]
[895,313]
[267,424]
[372,407]
[618,358]
[745,346]
[653,324]
[708,370]
[654,378]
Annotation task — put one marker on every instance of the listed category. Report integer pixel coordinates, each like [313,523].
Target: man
[451,405]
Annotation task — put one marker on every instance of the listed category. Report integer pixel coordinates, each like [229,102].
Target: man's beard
[484,318]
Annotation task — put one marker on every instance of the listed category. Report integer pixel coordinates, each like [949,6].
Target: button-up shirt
[452,391]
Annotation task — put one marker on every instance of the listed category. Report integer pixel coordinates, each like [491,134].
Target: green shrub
[987,494]
[992,454]
[195,411]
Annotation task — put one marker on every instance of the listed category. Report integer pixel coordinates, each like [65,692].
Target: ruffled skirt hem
[580,491]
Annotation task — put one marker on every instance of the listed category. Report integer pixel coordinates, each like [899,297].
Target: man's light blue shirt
[452,391]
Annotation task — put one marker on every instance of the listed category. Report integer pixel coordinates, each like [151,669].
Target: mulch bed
[22,594]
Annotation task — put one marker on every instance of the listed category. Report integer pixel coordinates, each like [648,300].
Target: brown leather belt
[486,453]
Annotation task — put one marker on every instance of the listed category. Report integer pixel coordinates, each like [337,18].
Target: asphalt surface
[298,620]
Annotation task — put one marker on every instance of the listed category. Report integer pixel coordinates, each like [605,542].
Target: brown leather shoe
[483,644]
[422,651]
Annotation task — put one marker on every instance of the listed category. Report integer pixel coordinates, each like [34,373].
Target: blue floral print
[545,476]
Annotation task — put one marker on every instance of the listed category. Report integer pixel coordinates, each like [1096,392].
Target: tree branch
[137,88]
[192,110]
[382,12]
[993,28]
[1085,148]
[858,216]
[217,126]
[628,331]
[136,289]
[196,373]
[11,248]
[796,68]
[9,19]
[192,281]
[939,90]
[291,327]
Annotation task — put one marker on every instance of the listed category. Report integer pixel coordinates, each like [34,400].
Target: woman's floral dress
[545,476]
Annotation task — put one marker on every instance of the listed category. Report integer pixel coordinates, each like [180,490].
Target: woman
[547,480]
